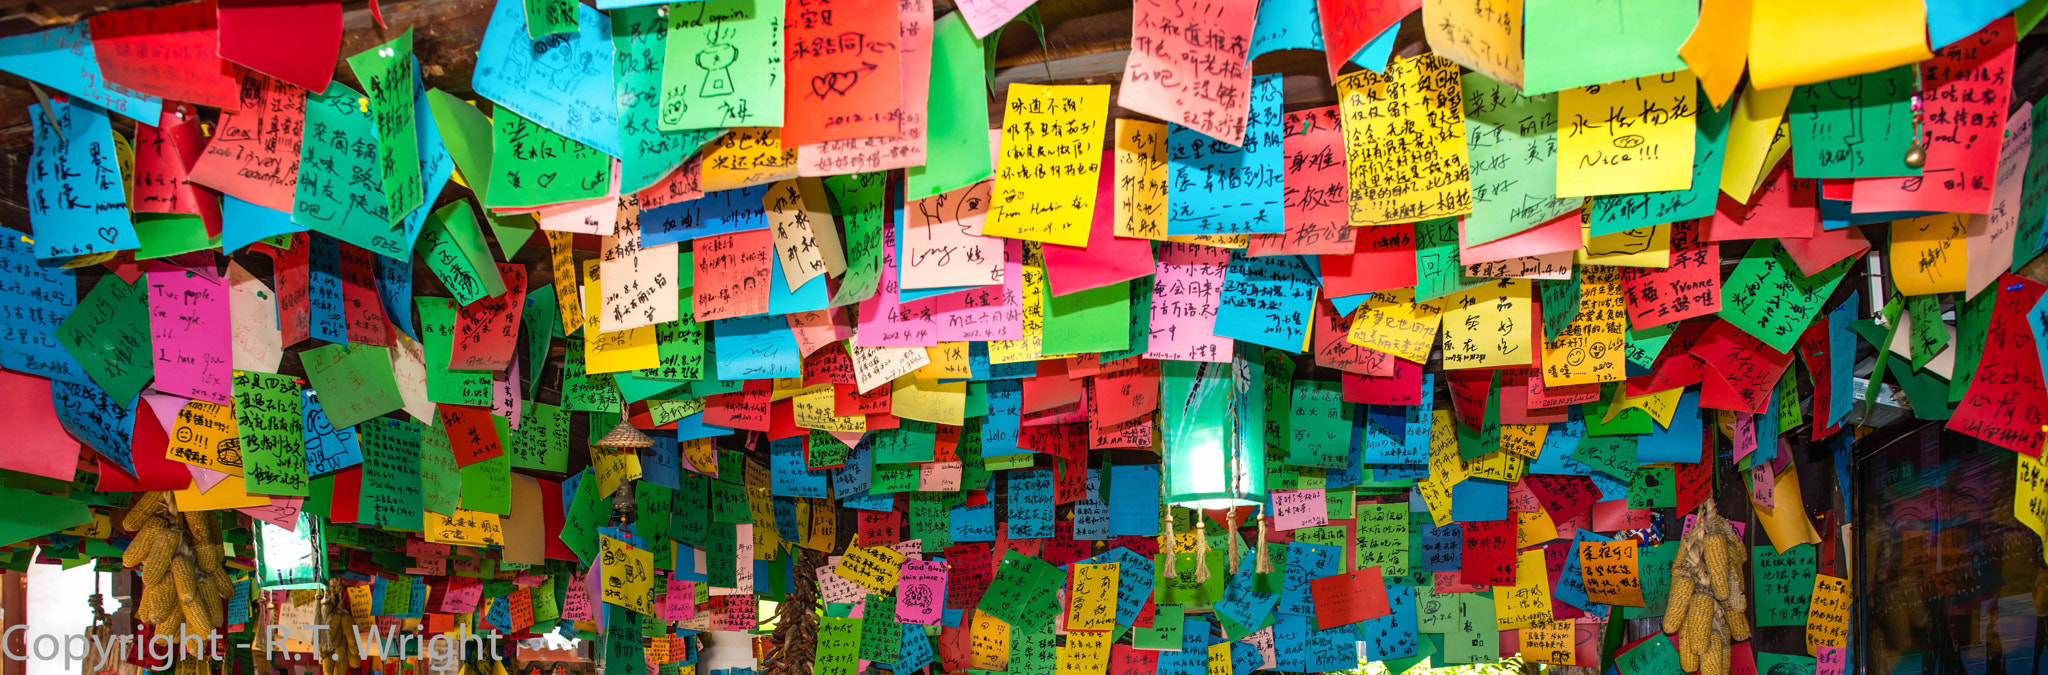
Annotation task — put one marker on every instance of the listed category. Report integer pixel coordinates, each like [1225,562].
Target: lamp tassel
[1201,547]
[1265,565]
[1167,543]
[1231,519]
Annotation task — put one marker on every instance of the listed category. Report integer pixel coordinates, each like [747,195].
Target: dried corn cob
[150,505]
[1681,595]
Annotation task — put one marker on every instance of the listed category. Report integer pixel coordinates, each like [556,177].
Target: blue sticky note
[75,197]
[242,223]
[1442,547]
[869,502]
[1242,602]
[857,473]
[1134,581]
[1287,24]
[1134,500]
[650,154]
[1841,359]
[809,297]
[1558,445]
[1267,301]
[722,212]
[36,299]
[1002,426]
[562,82]
[1392,636]
[1767,430]
[916,652]
[1571,583]
[1952,20]
[1217,188]
[661,465]
[394,291]
[98,420]
[63,58]
[1373,56]
[1305,563]
[789,477]
[1030,503]
[1091,514]
[1348,304]
[569,487]
[1611,488]
[971,523]
[1387,437]
[1681,442]
[238,605]
[1333,650]
[786,525]
[1477,499]
[1193,657]
[692,427]
[1244,658]
[1294,642]
[323,290]
[436,167]
[501,613]
[756,348]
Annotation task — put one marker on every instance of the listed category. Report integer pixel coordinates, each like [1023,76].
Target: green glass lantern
[1213,437]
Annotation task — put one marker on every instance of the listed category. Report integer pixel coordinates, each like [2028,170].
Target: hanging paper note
[1966,88]
[190,330]
[1489,326]
[350,209]
[1413,116]
[1267,301]
[561,82]
[1051,156]
[272,442]
[1629,136]
[904,146]
[1854,127]
[172,52]
[848,68]
[1513,144]
[533,166]
[1190,68]
[1580,43]
[1218,189]
[724,66]
[386,71]
[1484,35]
[74,193]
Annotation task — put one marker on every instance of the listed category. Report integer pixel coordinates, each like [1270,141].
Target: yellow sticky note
[1488,326]
[1445,467]
[617,351]
[1219,659]
[781,388]
[359,601]
[465,528]
[1141,181]
[1786,523]
[744,157]
[628,575]
[1552,643]
[1751,130]
[1499,465]
[814,409]
[1640,247]
[1793,43]
[1093,606]
[989,643]
[871,567]
[1405,138]
[1523,439]
[1718,47]
[229,493]
[1611,573]
[1662,405]
[204,435]
[1533,528]
[1392,322]
[614,467]
[702,454]
[1527,603]
[1827,616]
[2030,499]
[1592,348]
[1051,157]
[948,362]
[1929,255]
[925,400]
[562,260]
[1032,347]
[1635,135]
[1484,35]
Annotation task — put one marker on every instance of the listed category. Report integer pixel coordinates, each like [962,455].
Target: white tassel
[1235,558]
[1201,547]
[1167,544]
[1265,565]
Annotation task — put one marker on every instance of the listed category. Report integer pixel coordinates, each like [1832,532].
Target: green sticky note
[881,638]
[1022,593]
[334,201]
[167,234]
[1382,539]
[1784,664]
[1560,305]
[1319,424]
[387,71]
[1787,399]
[640,45]
[1437,270]
[1183,587]
[467,134]
[858,201]
[1768,298]
[1512,140]
[724,65]
[1654,656]
[1653,487]
[391,475]
[957,123]
[487,484]
[1973,321]
[532,165]
[1475,636]
[542,440]
[582,391]
[1092,321]
[437,335]
[1340,504]
[1930,332]
[1854,127]
[587,509]
[1653,566]
[1629,421]
[1579,43]
[912,441]
[109,334]
[267,417]
[550,17]
[457,255]
[1644,345]
[33,515]
[354,381]
[1034,650]
[1784,584]
[680,344]
[1611,455]
[651,506]
[1138,334]
[1164,634]
[440,476]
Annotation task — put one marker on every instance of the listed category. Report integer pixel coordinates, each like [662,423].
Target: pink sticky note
[463,594]
[1743,434]
[1187,286]
[940,249]
[1561,234]
[884,320]
[205,478]
[593,216]
[815,329]
[1763,485]
[921,592]
[988,312]
[282,512]
[985,16]
[1187,65]
[1294,509]
[38,443]
[193,332]
[681,604]
[1831,661]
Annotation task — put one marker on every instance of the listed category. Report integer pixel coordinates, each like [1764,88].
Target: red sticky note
[1488,553]
[552,516]
[782,421]
[294,282]
[1107,258]
[171,52]
[1748,369]
[1563,497]
[152,470]
[829,365]
[1345,599]
[292,41]
[1813,349]
[361,307]
[1348,25]
[1127,394]
[1382,258]
[1787,208]
[845,70]
[38,443]
[487,331]
[1128,660]
[1317,215]
[2007,411]
[743,409]
[1335,350]
[1690,287]
[1403,388]
[348,493]
[1612,515]
[1051,388]
[1967,85]
[164,157]
[471,434]
[1825,248]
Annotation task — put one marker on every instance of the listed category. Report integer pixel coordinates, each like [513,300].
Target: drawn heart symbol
[109,234]
[545,179]
[834,82]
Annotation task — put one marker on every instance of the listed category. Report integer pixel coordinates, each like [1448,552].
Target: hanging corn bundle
[184,587]
[1707,606]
